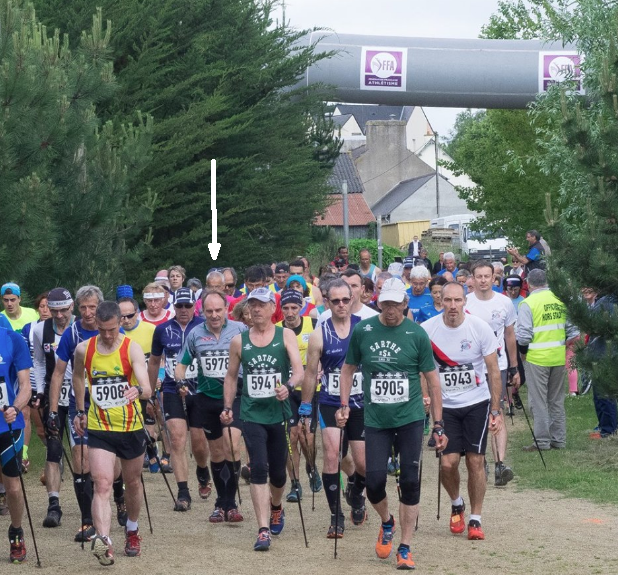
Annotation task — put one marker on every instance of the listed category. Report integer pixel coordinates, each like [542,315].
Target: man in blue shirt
[535,258]
[15,364]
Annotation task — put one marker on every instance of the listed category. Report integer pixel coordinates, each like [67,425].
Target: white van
[475,244]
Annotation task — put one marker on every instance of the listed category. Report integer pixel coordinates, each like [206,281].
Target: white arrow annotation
[214,246]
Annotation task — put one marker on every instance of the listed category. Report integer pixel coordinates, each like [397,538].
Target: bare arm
[39,359]
[314,353]
[138,362]
[22,398]
[154,362]
[230,383]
[495,388]
[345,382]
[56,383]
[296,363]
[79,382]
[435,393]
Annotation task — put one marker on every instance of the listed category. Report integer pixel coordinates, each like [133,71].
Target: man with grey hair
[231,279]
[450,264]
[542,334]
[418,293]
[88,298]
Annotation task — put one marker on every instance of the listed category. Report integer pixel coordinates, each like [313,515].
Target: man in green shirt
[393,351]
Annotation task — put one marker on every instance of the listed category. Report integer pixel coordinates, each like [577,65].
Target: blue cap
[296,278]
[124,291]
[184,295]
[15,290]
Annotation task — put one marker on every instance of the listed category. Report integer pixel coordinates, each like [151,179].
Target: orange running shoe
[475,531]
[404,559]
[384,544]
[458,523]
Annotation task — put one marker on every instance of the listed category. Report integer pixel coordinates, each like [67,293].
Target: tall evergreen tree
[216,75]
[66,213]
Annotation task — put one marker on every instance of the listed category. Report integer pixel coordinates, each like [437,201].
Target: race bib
[457,379]
[214,363]
[335,389]
[390,387]
[4,394]
[170,368]
[65,393]
[261,385]
[108,392]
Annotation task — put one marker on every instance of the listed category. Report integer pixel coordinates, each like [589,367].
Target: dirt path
[527,531]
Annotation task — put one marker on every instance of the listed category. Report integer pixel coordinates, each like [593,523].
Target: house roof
[345,170]
[359,213]
[364,114]
[401,192]
[341,119]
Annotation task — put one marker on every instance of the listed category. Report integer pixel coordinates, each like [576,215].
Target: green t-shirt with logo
[391,360]
[263,369]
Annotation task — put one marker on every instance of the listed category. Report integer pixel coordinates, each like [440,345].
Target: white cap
[393,289]
[262,294]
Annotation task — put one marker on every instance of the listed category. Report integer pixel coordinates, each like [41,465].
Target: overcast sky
[412,18]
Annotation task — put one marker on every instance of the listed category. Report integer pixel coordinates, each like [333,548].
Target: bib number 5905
[389,389]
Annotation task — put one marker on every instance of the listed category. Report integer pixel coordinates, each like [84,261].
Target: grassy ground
[585,469]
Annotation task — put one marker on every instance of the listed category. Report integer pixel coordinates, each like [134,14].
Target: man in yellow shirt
[18,316]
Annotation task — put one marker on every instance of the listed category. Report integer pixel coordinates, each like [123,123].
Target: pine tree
[65,177]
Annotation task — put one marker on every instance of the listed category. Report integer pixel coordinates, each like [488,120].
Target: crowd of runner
[383,362]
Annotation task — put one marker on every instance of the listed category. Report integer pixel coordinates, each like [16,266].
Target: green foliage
[67,215]
[323,247]
[389,253]
[216,75]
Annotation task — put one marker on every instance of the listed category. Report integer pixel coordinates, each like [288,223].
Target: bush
[389,253]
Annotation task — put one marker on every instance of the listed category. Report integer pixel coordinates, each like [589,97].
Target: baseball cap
[292,296]
[124,291]
[58,298]
[262,294]
[393,289]
[395,269]
[282,268]
[513,281]
[15,289]
[408,262]
[340,263]
[184,295]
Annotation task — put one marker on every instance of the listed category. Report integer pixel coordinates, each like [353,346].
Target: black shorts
[466,428]
[9,462]
[211,409]
[354,428]
[295,400]
[124,444]
[173,409]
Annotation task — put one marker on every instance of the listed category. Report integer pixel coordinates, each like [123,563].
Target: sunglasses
[183,305]
[343,300]
[230,286]
[129,315]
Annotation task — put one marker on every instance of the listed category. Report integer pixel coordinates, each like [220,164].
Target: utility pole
[380,248]
[346,224]
[435,142]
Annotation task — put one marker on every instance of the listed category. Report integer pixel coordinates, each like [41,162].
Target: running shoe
[338,532]
[166,467]
[132,545]
[182,504]
[263,541]
[4,508]
[234,515]
[315,482]
[503,474]
[404,559]
[153,465]
[121,512]
[475,531]
[458,523]
[102,549]
[217,516]
[296,491]
[359,514]
[205,489]
[18,547]
[85,534]
[245,473]
[384,544]
[277,520]
[53,517]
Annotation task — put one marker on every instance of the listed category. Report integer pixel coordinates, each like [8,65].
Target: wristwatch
[139,390]
[496,412]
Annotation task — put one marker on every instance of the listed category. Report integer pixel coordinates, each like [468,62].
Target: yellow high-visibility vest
[548,345]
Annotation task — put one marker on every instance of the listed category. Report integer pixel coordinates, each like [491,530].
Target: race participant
[179,406]
[328,347]
[231,279]
[418,293]
[46,339]
[393,351]
[14,396]
[267,354]
[117,378]
[367,269]
[497,311]
[33,415]
[464,351]
[17,315]
[208,345]
[255,277]
[88,298]
[435,290]
[299,284]
[215,281]
[176,276]
[292,304]
[450,264]
[300,267]
[282,273]
[354,279]
[155,297]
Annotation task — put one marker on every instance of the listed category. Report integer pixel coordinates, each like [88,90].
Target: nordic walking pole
[520,405]
[294,476]
[229,431]
[165,429]
[396,464]
[23,490]
[338,505]
[439,456]
[81,478]
[141,476]
[420,481]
